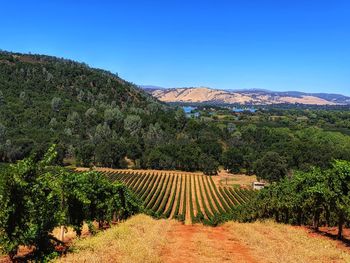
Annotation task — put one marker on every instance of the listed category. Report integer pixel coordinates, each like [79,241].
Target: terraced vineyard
[187,197]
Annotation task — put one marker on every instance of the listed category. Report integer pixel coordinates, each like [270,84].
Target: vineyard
[191,198]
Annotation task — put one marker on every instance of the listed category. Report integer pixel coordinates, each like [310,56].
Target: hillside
[94,117]
[188,197]
[142,239]
[254,97]
[46,99]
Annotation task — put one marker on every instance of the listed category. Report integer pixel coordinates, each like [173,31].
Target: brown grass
[272,242]
[143,239]
[137,240]
[227,179]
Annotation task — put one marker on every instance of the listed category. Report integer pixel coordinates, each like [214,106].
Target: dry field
[143,239]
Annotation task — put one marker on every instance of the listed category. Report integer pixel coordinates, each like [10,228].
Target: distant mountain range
[251,97]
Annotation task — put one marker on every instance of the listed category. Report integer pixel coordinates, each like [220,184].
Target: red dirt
[199,243]
[193,200]
[188,219]
[183,194]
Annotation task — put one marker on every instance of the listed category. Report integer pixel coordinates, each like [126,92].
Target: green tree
[339,186]
[85,154]
[111,153]
[2,98]
[233,160]
[271,167]
[113,116]
[2,133]
[56,104]
[209,165]
[133,124]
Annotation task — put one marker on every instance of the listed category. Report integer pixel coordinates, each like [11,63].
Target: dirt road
[198,243]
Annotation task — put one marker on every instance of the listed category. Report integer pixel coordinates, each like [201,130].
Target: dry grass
[227,179]
[143,239]
[137,240]
[272,242]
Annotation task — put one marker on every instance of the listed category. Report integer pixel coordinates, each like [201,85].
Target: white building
[258,185]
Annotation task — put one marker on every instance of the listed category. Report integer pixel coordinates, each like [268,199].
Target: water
[188,109]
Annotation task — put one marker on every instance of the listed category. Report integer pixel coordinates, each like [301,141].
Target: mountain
[254,97]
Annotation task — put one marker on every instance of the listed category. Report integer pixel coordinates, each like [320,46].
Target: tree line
[319,197]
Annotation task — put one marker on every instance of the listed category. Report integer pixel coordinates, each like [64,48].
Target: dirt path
[193,200]
[172,191]
[205,200]
[183,194]
[188,219]
[178,195]
[152,187]
[197,192]
[167,193]
[162,188]
[206,182]
[198,243]
[211,185]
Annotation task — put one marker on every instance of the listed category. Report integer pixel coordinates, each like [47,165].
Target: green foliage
[318,197]
[28,203]
[271,167]
[233,160]
[36,197]
[209,165]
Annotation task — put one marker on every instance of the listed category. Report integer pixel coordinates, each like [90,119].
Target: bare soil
[178,195]
[172,192]
[227,179]
[201,207]
[199,243]
[195,209]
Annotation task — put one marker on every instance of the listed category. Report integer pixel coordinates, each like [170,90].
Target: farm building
[258,185]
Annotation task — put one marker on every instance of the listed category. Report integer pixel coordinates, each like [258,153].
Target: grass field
[143,239]
[188,197]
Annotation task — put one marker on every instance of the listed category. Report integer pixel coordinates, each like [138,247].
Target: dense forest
[96,118]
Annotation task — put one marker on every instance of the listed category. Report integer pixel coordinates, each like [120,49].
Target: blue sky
[276,45]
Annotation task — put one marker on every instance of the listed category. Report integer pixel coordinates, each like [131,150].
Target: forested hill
[45,99]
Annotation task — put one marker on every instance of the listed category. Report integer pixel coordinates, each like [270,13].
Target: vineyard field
[188,197]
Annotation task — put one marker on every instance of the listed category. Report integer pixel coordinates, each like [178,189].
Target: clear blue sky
[276,45]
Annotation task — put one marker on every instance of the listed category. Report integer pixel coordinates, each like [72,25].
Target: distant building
[258,185]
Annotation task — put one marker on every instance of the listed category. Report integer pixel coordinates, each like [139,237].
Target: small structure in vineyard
[258,185]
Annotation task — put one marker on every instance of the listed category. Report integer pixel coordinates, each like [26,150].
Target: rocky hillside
[255,97]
